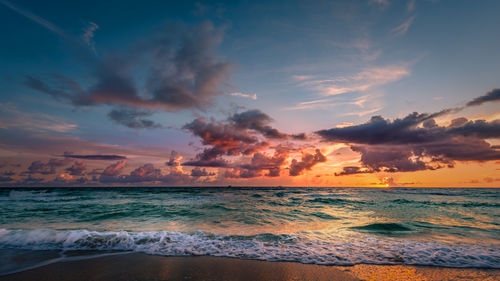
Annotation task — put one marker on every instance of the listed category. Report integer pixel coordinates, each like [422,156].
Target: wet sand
[137,266]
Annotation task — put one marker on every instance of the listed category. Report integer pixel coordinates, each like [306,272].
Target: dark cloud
[416,143]
[243,134]
[223,139]
[175,159]
[260,164]
[77,168]
[38,167]
[478,128]
[56,85]
[95,156]
[491,96]
[9,173]
[352,170]
[215,163]
[379,130]
[32,180]
[307,162]
[148,173]
[183,72]
[133,118]
[197,172]
[300,136]
[241,173]
[390,159]
[5,179]
[258,121]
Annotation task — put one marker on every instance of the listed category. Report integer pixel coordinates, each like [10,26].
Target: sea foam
[268,247]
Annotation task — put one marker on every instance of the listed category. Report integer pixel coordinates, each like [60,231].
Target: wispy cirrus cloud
[12,117]
[411,5]
[43,22]
[88,35]
[362,81]
[243,95]
[403,28]
[362,113]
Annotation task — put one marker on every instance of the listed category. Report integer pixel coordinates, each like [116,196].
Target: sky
[371,93]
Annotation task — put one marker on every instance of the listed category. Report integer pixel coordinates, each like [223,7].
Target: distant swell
[263,247]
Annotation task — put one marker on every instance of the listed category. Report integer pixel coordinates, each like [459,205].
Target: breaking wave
[265,246]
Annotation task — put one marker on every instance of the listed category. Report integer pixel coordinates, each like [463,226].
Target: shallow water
[443,227]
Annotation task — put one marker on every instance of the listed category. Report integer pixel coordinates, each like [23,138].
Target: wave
[266,246]
[447,203]
[382,227]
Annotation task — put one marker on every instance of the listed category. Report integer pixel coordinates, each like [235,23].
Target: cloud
[197,172]
[403,28]
[77,168]
[259,163]
[34,18]
[307,162]
[416,142]
[224,139]
[363,112]
[38,167]
[175,159]
[88,35]
[352,170]
[362,81]
[9,173]
[94,156]
[326,103]
[183,72]
[147,173]
[248,135]
[242,134]
[29,180]
[133,118]
[411,5]
[12,117]
[201,162]
[491,96]
[5,179]
[248,96]
[114,169]
[258,121]
[379,130]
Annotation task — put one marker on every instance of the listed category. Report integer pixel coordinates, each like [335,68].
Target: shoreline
[138,266]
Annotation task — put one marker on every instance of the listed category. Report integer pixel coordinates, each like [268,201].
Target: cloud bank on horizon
[168,104]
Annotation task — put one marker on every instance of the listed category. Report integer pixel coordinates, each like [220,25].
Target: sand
[137,266]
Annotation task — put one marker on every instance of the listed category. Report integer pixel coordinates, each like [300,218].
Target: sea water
[453,227]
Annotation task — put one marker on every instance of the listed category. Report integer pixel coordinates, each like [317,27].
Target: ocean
[450,227]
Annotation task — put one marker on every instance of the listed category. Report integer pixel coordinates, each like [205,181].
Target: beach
[137,266]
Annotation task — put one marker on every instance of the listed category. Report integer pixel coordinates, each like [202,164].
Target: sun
[386,185]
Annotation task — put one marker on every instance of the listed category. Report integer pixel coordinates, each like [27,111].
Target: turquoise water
[443,227]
